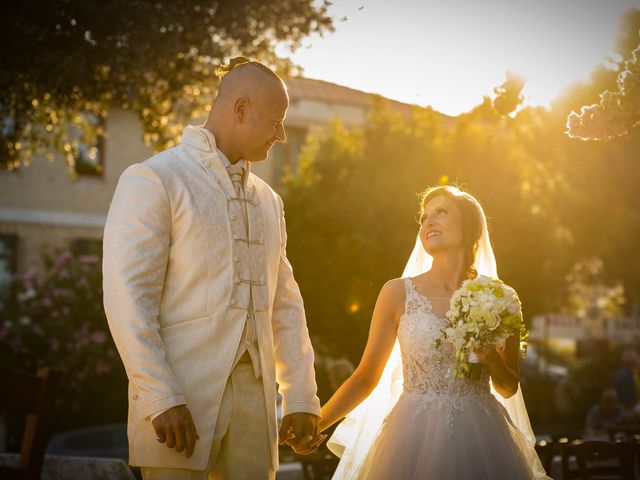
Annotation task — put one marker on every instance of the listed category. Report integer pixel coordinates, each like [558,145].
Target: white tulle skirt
[444,438]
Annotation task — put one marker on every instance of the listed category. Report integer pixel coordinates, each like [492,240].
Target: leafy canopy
[64,62]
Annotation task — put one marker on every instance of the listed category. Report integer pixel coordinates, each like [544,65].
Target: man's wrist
[300,407]
[157,414]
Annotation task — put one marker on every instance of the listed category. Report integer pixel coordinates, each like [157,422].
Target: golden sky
[450,53]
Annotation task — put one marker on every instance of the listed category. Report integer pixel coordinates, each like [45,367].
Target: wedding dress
[420,422]
[442,427]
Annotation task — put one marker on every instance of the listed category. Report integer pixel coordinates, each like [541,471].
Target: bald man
[201,299]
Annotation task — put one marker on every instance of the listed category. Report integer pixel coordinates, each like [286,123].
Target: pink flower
[26,277]
[62,258]
[38,330]
[47,302]
[99,337]
[102,367]
[61,292]
[28,294]
[88,258]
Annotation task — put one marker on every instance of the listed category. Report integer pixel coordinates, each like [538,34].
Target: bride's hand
[487,355]
[311,446]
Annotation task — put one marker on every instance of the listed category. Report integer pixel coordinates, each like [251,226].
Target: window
[87,246]
[90,161]
[7,131]
[296,138]
[8,126]
[8,264]
[285,155]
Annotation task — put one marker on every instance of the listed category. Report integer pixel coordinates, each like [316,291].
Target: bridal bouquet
[483,313]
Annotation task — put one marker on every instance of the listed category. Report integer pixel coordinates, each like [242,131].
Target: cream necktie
[236,172]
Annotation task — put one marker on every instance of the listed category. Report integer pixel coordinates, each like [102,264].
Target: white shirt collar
[226,162]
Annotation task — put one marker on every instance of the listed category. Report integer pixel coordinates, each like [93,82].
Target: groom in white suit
[201,299]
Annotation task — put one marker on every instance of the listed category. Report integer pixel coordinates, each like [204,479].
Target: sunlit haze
[449,54]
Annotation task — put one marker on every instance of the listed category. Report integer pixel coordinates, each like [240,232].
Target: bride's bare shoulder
[393,292]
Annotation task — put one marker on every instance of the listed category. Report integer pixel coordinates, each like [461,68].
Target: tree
[550,202]
[589,295]
[508,95]
[353,204]
[65,62]
[617,111]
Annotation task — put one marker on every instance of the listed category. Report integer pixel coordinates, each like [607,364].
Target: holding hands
[300,432]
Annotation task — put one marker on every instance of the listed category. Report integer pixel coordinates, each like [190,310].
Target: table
[76,468]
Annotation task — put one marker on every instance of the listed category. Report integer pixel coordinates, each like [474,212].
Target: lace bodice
[428,370]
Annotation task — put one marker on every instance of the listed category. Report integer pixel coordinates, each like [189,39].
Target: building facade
[42,207]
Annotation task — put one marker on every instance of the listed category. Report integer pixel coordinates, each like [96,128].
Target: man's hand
[299,430]
[175,428]
[311,446]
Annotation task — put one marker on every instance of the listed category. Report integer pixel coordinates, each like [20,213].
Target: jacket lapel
[203,141]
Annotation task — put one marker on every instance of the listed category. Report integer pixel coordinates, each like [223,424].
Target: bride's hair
[472,220]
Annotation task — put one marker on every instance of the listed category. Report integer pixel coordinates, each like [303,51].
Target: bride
[407,417]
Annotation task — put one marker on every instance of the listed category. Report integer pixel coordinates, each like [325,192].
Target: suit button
[236,237]
[236,259]
[261,283]
[234,301]
[261,261]
[135,396]
[233,216]
[238,281]
[206,163]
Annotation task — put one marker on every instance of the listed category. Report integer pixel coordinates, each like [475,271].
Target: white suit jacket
[175,260]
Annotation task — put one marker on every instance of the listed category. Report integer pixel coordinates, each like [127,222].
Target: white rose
[492,320]
[475,315]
